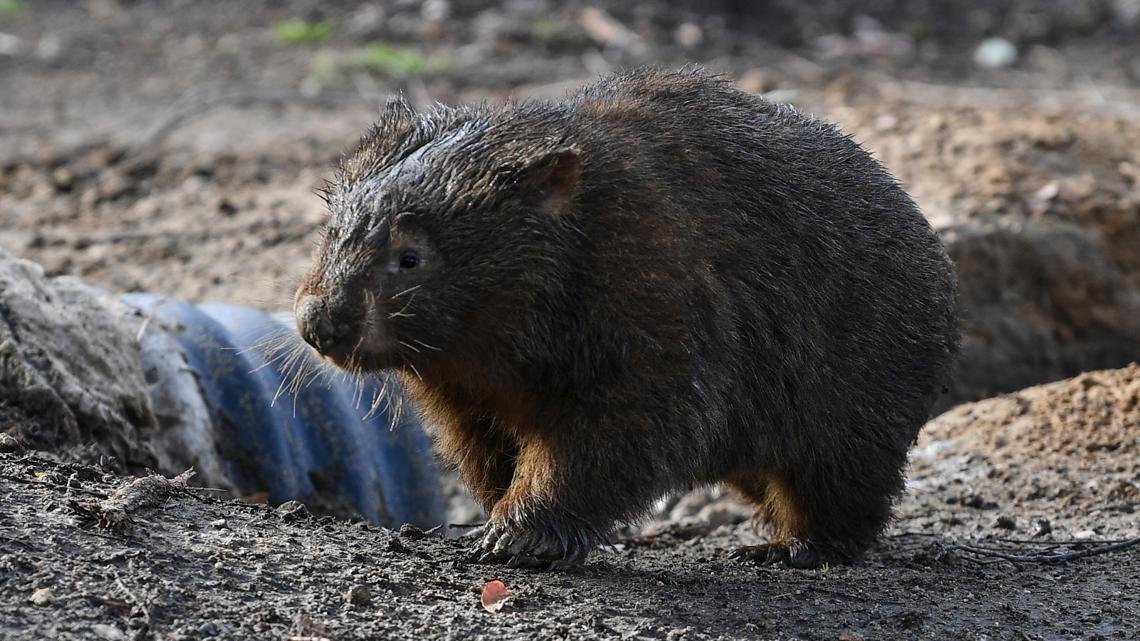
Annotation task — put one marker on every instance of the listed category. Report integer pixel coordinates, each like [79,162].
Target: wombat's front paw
[793,553]
[533,547]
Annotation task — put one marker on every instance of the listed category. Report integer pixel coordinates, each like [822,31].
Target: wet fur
[723,290]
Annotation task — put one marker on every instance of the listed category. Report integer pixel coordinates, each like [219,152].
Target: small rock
[50,48]
[359,595]
[219,524]
[994,53]
[688,35]
[606,30]
[1041,198]
[113,184]
[755,81]
[366,20]
[411,532]
[62,178]
[886,122]
[109,632]
[1043,527]
[435,10]
[9,44]
[9,443]
[209,629]
[1085,535]
[293,510]
[1005,523]
[1127,12]
[42,597]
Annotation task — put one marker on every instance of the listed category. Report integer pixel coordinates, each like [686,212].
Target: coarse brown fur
[655,284]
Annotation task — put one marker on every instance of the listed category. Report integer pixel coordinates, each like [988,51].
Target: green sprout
[297,32]
[388,60]
[12,8]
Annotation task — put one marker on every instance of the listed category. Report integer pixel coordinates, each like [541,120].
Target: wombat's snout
[317,326]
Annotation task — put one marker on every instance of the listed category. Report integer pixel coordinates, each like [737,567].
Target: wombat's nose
[315,323]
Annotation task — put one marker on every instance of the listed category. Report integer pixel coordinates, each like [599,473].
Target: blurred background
[174,146]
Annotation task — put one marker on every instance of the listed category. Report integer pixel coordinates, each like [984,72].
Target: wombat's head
[435,222]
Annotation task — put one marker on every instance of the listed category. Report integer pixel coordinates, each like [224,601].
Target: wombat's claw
[792,553]
[526,549]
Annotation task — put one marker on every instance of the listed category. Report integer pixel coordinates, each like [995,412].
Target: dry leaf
[495,594]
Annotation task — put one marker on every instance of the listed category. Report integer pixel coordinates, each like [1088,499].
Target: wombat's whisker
[403,310]
[381,394]
[425,345]
[410,346]
[292,365]
[358,393]
[397,413]
[408,290]
[275,347]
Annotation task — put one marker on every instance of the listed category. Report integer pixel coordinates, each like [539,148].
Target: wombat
[658,283]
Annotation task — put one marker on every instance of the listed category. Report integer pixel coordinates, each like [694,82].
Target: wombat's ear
[555,175]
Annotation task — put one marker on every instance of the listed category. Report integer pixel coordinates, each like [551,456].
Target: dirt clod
[42,597]
[359,595]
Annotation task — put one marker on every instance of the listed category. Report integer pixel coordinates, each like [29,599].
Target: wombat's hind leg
[810,527]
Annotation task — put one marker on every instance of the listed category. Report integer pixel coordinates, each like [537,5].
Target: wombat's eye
[409,260]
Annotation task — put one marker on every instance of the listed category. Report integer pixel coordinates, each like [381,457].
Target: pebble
[9,443]
[688,35]
[755,81]
[994,53]
[110,632]
[1006,523]
[9,44]
[359,594]
[411,532]
[293,510]
[42,597]
[212,629]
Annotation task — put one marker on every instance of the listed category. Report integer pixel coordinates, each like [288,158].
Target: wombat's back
[820,306]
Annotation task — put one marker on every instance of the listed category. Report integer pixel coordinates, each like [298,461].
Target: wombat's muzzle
[332,331]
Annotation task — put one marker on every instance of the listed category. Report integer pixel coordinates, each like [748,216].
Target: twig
[1049,557]
[1054,542]
[148,491]
[138,602]
[192,492]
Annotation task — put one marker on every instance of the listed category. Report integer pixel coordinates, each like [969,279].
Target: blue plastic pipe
[317,444]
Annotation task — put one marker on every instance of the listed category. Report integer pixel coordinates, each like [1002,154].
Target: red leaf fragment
[494,596]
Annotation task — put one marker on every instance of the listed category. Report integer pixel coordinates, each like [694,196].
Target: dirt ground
[199,568]
[175,146]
